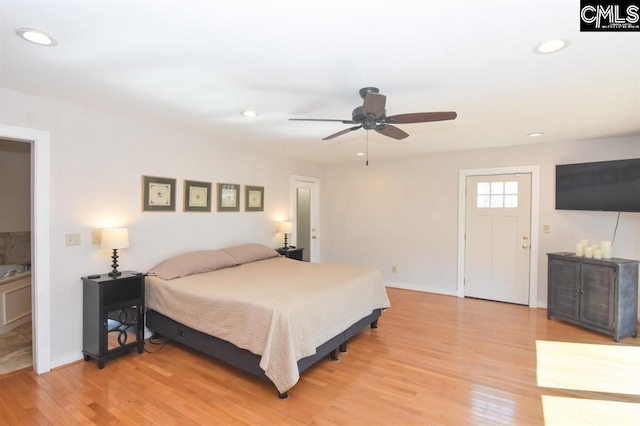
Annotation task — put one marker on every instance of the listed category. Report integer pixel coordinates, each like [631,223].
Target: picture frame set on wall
[159,194]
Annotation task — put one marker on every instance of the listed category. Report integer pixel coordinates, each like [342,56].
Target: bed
[268,315]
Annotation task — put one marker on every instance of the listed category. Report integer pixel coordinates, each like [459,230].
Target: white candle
[595,247]
[588,252]
[597,254]
[605,246]
[579,250]
[584,242]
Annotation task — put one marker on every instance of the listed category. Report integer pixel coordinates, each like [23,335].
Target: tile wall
[15,248]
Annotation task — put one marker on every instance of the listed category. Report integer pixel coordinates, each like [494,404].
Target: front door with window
[497,246]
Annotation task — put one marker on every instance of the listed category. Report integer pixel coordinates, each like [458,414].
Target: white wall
[97,164]
[15,190]
[404,212]
[395,212]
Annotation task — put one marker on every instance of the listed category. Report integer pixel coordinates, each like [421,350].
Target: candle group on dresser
[595,251]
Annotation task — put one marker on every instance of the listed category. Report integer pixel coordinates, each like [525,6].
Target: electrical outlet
[96,237]
[394,269]
[73,239]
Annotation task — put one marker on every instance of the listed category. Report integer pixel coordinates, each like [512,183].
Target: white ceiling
[197,64]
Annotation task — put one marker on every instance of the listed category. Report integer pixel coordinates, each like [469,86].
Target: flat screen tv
[601,186]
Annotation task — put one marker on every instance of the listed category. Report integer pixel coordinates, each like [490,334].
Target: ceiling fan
[372,116]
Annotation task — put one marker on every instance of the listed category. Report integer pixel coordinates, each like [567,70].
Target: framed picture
[197,196]
[158,194]
[253,198]
[228,197]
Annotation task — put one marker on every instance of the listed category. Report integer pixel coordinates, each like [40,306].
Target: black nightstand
[291,252]
[113,315]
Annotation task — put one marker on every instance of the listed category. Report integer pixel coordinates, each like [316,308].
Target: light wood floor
[435,360]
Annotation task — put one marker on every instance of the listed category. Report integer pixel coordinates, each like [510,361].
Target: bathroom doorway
[305,209]
[16,342]
[40,141]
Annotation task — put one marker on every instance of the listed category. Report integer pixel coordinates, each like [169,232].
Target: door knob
[313,238]
[525,237]
[524,246]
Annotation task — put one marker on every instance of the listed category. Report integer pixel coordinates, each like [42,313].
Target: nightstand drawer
[122,291]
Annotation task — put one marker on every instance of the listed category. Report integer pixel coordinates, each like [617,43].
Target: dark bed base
[242,358]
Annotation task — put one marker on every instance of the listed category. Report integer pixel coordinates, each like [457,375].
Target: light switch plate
[96,237]
[73,239]
[546,229]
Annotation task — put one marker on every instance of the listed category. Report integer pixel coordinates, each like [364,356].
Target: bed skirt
[242,358]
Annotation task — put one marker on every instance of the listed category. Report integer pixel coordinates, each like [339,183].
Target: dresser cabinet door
[597,306]
[565,292]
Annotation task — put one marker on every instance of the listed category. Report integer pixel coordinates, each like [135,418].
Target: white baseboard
[67,359]
[541,304]
[77,356]
[420,288]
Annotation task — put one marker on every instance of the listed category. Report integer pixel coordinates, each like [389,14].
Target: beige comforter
[279,308]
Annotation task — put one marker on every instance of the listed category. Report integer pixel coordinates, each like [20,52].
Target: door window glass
[497,195]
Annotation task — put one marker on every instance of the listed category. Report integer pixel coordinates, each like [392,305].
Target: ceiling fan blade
[374,105]
[342,132]
[421,117]
[391,131]
[323,119]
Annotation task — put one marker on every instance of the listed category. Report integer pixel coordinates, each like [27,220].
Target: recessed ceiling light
[552,46]
[360,154]
[36,36]
[249,113]
[535,134]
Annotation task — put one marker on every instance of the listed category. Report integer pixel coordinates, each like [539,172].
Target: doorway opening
[15,256]
[305,212]
[40,217]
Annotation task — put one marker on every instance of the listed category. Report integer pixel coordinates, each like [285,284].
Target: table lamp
[116,238]
[286,228]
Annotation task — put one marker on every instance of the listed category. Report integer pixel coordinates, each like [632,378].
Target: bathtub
[15,296]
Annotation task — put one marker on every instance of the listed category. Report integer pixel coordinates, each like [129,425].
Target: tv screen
[605,185]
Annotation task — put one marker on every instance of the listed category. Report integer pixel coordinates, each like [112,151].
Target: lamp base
[286,247]
[114,265]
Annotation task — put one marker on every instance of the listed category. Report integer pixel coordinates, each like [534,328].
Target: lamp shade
[116,238]
[286,227]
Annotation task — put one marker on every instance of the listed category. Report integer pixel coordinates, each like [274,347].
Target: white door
[305,217]
[497,246]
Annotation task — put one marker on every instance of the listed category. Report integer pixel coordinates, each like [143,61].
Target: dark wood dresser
[599,294]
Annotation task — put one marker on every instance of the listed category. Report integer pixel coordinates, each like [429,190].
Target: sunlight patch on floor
[562,411]
[588,367]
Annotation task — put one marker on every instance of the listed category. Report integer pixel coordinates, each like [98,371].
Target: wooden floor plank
[434,360]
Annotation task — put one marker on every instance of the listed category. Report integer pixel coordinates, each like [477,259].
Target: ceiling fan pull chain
[367,162]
